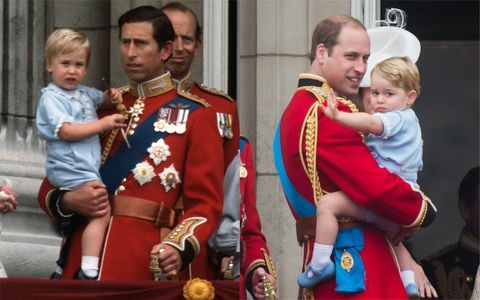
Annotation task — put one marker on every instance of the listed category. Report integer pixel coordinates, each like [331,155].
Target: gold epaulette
[318,92]
[210,90]
[194,98]
[123,89]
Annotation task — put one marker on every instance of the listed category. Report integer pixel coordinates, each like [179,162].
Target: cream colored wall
[274,41]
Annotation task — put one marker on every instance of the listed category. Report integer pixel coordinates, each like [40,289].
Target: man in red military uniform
[256,263]
[186,46]
[314,155]
[162,175]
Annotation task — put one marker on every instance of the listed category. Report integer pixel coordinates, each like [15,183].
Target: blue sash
[350,278]
[297,202]
[119,164]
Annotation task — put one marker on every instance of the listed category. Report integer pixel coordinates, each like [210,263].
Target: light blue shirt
[400,147]
[69,164]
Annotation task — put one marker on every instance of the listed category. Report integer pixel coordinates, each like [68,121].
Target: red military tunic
[255,252]
[317,151]
[225,240]
[224,106]
[194,153]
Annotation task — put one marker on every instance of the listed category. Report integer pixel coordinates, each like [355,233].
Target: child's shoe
[80,275]
[412,291]
[323,274]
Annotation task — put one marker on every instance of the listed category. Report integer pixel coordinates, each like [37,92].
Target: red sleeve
[203,177]
[345,160]
[252,238]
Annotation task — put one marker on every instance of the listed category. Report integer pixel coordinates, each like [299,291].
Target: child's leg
[329,207]
[92,242]
[405,261]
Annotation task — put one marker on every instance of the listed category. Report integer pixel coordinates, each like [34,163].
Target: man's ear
[412,96]
[464,210]
[166,51]
[320,53]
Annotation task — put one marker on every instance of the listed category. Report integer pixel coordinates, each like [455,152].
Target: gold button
[468,278]
[121,188]
[124,179]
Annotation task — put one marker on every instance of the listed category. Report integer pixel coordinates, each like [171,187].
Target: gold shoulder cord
[309,130]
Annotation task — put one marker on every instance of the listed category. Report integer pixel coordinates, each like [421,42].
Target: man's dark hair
[162,27]
[177,6]
[468,190]
[327,31]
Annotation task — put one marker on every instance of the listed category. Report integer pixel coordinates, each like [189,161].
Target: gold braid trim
[108,145]
[254,264]
[268,260]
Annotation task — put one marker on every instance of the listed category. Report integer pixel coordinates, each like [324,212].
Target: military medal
[346,260]
[159,151]
[229,131]
[170,121]
[182,121]
[243,171]
[161,124]
[143,172]
[220,123]
[169,177]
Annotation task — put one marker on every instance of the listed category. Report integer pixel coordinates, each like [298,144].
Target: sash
[349,268]
[302,207]
[119,164]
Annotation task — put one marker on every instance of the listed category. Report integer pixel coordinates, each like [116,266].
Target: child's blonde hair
[401,72]
[65,41]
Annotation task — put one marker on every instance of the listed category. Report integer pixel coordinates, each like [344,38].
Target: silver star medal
[169,177]
[143,172]
[159,151]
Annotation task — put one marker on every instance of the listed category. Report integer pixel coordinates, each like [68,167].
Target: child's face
[68,70]
[387,97]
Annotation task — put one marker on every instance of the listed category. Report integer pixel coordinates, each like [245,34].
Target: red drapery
[14,288]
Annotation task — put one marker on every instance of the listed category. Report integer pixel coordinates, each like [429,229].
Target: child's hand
[113,96]
[113,121]
[8,202]
[331,109]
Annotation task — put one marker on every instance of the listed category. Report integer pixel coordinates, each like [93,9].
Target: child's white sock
[408,277]
[320,257]
[58,270]
[379,222]
[90,265]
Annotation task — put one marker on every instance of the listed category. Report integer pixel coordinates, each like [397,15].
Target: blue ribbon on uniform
[349,243]
[120,163]
[302,207]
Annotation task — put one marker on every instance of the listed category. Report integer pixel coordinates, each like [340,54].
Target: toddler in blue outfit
[396,143]
[67,120]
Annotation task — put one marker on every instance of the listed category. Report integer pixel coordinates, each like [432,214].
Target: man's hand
[401,234]
[421,280]
[89,200]
[169,259]
[257,283]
